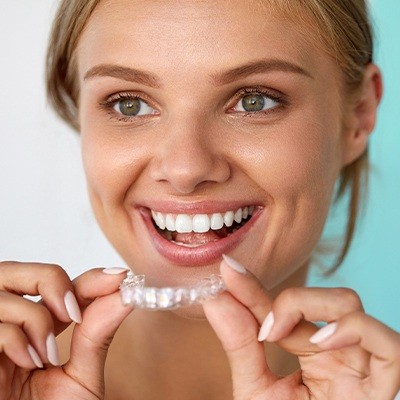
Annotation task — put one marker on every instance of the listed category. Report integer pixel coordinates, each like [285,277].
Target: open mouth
[196,230]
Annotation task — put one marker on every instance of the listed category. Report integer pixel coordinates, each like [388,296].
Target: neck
[164,353]
[170,355]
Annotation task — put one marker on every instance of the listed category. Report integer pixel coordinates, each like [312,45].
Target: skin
[285,161]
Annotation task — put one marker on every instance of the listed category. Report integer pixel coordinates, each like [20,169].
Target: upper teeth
[200,223]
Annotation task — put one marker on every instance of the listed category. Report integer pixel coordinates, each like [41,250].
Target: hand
[353,357]
[28,330]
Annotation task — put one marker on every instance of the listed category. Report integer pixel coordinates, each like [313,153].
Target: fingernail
[114,270]
[52,350]
[324,333]
[35,356]
[266,327]
[72,307]
[230,262]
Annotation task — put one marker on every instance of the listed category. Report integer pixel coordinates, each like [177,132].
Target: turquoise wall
[372,267]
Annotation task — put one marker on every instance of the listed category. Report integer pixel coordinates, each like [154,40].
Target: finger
[33,319]
[311,304]
[49,281]
[247,289]
[90,285]
[97,282]
[377,339]
[237,330]
[15,345]
[101,319]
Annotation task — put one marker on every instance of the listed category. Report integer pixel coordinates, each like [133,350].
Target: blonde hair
[343,26]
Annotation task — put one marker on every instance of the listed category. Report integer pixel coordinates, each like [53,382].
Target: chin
[195,312]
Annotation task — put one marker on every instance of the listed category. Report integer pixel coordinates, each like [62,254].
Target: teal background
[372,267]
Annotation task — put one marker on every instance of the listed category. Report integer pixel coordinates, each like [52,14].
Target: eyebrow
[258,67]
[124,73]
[255,67]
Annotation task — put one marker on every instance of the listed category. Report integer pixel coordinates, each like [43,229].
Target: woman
[208,129]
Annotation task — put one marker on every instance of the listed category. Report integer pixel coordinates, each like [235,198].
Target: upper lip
[203,207]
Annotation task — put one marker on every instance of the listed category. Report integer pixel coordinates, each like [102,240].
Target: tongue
[199,238]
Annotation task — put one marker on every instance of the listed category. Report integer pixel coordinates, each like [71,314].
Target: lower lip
[196,256]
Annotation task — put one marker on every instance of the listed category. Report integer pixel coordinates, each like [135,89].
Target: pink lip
[201,255]
[203,207]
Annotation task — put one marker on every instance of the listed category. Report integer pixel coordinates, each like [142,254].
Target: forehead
[194,35]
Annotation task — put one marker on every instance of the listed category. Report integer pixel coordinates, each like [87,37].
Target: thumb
[237,330]
[92,338]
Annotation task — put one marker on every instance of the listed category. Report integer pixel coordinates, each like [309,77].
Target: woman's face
[200,112]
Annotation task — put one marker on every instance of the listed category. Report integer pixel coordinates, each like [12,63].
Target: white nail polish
[114,270]
[52,350]
[266,327]
[230,262]
[35,356]
[72,307]
[324,333]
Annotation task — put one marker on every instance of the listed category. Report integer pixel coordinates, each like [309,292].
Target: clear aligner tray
[136,294]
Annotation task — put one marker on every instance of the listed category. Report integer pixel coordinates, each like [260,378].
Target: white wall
[45,215]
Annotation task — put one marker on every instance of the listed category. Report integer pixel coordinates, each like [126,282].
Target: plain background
[45,214]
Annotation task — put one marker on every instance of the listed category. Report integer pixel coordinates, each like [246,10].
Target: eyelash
[276,96]
[112,100]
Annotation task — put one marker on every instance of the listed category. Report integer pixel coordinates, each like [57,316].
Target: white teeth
[170,222]
[217,221]
[159,219]
[200,223]
[183,223]
[228,218]
[238,216]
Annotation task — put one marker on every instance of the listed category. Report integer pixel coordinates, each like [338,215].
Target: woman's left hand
[353,357]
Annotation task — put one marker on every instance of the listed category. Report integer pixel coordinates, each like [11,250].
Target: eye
[255,102]
[133,107]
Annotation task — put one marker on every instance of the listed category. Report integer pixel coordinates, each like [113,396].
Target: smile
[199,238]
[217,225]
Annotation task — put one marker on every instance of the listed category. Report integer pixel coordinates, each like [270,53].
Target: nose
[188,156]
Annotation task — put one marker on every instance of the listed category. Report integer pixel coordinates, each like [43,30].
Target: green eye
[129,107]
[256,102]
[253,102]
[133,107]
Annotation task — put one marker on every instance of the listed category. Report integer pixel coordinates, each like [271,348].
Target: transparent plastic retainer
[134,293]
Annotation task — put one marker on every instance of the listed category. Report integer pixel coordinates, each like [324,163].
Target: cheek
[297,171]
[302,163]
[111,164]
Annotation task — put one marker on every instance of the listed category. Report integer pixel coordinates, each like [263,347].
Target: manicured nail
[324,333]
[114,270]
[72,307]
[266,327]
[230,262]
[35,356]
[52,350]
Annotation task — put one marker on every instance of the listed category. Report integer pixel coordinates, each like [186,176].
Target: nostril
[189,170]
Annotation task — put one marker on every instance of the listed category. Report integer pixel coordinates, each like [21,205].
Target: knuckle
[55,272]
[241,347]
[349,297]
[289,296]
[10,333]
[357,319]
[4,265]
[41,314]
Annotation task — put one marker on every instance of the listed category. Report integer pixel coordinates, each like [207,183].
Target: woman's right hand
[28,330]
